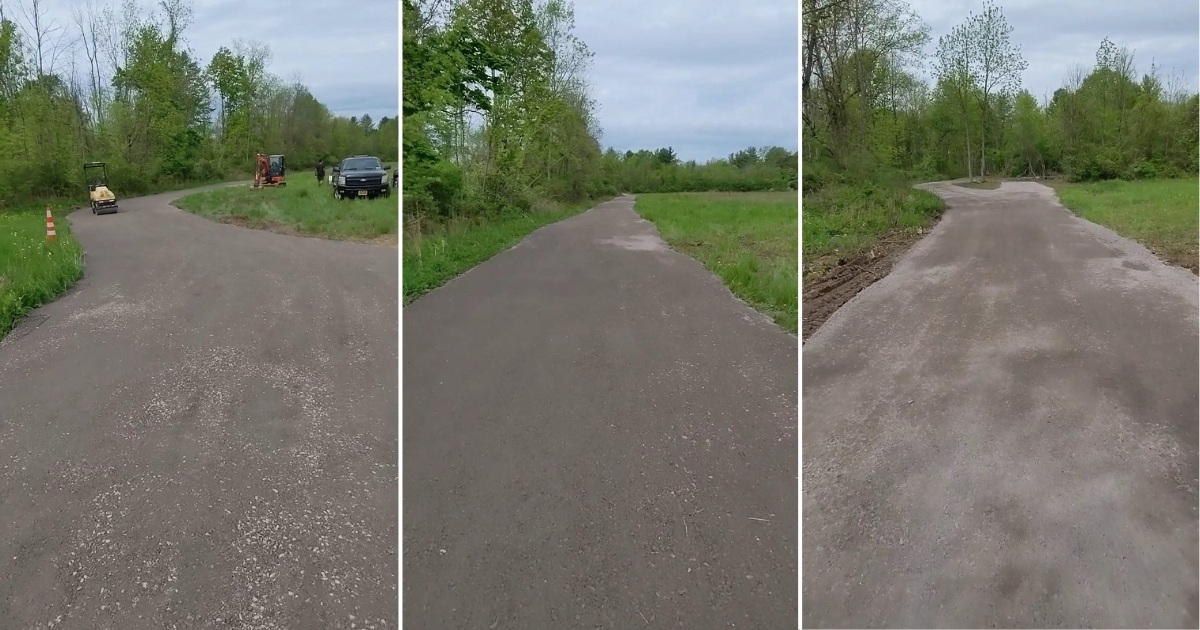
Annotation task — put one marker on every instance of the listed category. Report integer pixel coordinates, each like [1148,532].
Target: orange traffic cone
[50,233]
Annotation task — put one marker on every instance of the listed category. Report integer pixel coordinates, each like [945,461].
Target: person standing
[260,170]
[320,171]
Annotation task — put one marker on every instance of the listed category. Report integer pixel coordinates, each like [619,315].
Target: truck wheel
[93,207]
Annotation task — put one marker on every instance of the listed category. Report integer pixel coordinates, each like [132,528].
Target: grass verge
[843,222]
[32,270]
[435,253]
[746,239]
[300,207]
[852,234]
[1159,214]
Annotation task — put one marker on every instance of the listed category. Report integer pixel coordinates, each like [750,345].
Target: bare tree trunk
[983,139]
[967,126]
[970,175]
[982,151]
[89,37]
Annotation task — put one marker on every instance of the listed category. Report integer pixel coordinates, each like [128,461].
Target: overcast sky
[1054,36]
[706,77]
[350,64]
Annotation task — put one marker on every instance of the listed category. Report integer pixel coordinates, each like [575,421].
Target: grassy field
[300,207]
[433,254]
[746,239]
[32,270]
[1159,214]
[841,222]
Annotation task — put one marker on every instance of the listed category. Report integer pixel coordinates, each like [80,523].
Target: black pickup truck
[360,176]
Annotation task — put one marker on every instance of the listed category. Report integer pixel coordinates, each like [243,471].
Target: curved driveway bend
[1003,431]
[202,433]
[597,435]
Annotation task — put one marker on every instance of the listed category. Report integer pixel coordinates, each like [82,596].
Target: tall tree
[957,70]
[119,84]
[847,47]
[1000,64]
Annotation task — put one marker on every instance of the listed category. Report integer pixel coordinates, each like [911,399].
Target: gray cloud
[346,53]
[348,56]
[707,78]
[1056,36]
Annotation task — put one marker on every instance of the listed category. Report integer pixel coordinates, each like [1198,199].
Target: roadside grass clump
[300,207]
[746,239]
[844,220]
[1160,214]
[436,251]
[34,271]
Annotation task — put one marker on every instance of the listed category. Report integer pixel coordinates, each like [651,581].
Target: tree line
[868,110]
[496,106]
[751,169]
[498,117]
[118,84]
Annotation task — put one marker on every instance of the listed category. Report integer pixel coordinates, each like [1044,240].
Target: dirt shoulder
[830,281]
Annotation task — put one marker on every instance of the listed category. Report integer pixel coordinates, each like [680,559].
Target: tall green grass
[1160,214]
[746,239]
[302,207]
[846,219]
[436,252]
[32,270]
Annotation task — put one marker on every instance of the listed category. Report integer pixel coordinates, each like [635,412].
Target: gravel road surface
[1003,431]
[597,434]
[202,433]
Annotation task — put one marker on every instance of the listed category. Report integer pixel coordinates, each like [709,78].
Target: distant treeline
[751,169]
[119,85]
[498,117]
[868,113]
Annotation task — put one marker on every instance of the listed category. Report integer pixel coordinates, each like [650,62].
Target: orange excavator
[269,171]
